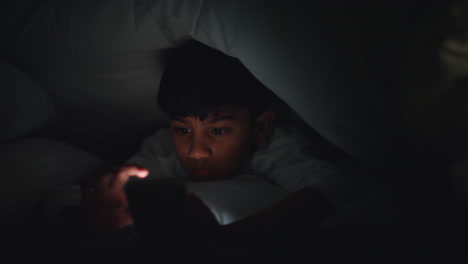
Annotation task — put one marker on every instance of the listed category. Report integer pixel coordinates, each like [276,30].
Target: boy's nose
[199,150]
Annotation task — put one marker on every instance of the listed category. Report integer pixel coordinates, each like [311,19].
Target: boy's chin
[201,177]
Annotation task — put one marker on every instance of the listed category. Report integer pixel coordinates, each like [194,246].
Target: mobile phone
[155,204]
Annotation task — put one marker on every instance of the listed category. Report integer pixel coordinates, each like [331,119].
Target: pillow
[24,106]
[237,198]
[37,168]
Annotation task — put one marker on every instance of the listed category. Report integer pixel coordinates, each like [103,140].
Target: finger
[136,171]
[111,220]
[126,172]
[102,182]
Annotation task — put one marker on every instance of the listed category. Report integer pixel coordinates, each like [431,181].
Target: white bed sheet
[237,198]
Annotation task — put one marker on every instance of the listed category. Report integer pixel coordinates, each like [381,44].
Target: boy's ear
[263,126]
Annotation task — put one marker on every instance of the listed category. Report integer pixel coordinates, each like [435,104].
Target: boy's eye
[182,130]
[218,131]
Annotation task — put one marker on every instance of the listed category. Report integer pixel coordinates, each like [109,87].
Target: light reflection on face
[215,148]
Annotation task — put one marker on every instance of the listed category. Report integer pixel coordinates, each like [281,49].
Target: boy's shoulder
[283,146]
[281,138]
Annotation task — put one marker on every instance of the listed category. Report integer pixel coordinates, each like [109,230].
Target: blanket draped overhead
[101,62]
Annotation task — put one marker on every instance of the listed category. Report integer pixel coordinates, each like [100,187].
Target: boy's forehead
[237,114]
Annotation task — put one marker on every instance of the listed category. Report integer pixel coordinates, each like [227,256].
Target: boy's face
[217,147]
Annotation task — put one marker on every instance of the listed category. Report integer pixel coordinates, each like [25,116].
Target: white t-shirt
[285,164]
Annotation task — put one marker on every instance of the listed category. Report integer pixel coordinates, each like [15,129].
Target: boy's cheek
[181,150]
[225,161]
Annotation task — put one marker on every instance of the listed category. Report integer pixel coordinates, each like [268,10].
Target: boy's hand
[106,199]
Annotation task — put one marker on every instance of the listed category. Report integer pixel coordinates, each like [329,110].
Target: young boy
[222,124]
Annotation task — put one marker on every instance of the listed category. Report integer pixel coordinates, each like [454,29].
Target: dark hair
[199,80]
